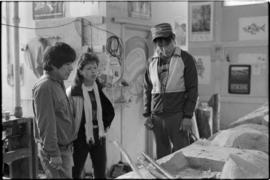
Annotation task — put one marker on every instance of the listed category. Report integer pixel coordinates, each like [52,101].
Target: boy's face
[64,71]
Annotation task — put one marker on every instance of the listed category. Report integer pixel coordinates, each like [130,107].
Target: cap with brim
[161,30]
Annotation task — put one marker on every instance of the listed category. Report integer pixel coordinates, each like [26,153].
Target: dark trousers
[167,134]
[97,154]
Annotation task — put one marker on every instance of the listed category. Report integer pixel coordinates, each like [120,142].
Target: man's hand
[186,125]
[56,162]
[148,123]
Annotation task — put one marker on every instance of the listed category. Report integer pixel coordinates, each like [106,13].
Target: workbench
[196,161]
[18,147]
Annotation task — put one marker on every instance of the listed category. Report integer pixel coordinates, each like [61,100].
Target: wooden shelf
[20,154]
[11,156]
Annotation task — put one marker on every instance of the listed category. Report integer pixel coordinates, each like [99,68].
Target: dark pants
[167,134]
[97,154]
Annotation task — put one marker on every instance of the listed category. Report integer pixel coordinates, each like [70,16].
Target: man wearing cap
[170,92]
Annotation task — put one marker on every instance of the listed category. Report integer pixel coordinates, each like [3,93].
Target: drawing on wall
[253,28]
[203,65]
[48,9]
[239,79]
[180,29]
[136,54]
[256,60]
[109,74]
[110,71]
[201,21]
[139,9]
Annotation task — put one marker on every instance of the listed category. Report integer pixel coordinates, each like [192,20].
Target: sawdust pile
[246,136]
[252,165]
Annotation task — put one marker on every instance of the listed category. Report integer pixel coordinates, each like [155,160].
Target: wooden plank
[16,154]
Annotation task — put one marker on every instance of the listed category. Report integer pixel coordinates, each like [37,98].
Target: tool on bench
[150,168]
[162,170]
[130,162]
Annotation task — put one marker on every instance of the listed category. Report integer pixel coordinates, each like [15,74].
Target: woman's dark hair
[58,55]
[86,58]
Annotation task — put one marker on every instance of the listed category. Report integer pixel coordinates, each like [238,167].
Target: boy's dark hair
[58,55]
[85,59]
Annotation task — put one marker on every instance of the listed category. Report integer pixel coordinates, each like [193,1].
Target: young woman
[93,114]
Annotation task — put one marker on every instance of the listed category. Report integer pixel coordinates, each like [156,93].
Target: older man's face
[165,46]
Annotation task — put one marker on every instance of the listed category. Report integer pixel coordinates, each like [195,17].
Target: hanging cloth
[33,54]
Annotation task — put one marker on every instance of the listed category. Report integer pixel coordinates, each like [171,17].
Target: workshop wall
[229,46]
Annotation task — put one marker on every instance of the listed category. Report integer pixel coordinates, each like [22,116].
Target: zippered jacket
[75,96]
[53,125]
[181,90]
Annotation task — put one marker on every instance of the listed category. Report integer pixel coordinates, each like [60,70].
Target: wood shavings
[189,172]
[203,142]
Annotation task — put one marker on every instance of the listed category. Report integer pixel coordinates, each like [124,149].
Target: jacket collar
[52,75]
[177,52]
[76,90]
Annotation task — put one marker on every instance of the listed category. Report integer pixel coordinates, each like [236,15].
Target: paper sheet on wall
[256,60]
[253,28]
[203,64]
[181,32]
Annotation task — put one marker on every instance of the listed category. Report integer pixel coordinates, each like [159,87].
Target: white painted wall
[168,11]
[84,8]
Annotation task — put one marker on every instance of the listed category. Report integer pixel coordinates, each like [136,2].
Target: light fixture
[242,2]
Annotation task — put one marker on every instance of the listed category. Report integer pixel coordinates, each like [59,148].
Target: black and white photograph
[48,9]
[201,21]
[239,79]
[139,9]
[101,89]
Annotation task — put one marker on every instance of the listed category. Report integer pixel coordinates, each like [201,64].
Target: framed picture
[239,79]
[139,9]
[48,9]
[201,21]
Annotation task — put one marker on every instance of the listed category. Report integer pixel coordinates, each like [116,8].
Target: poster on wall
[201,21]
[253,28]
[139,9]
[258,62]
[48,9]
[239,79]
[180,29]
[203,65]
[136,54]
